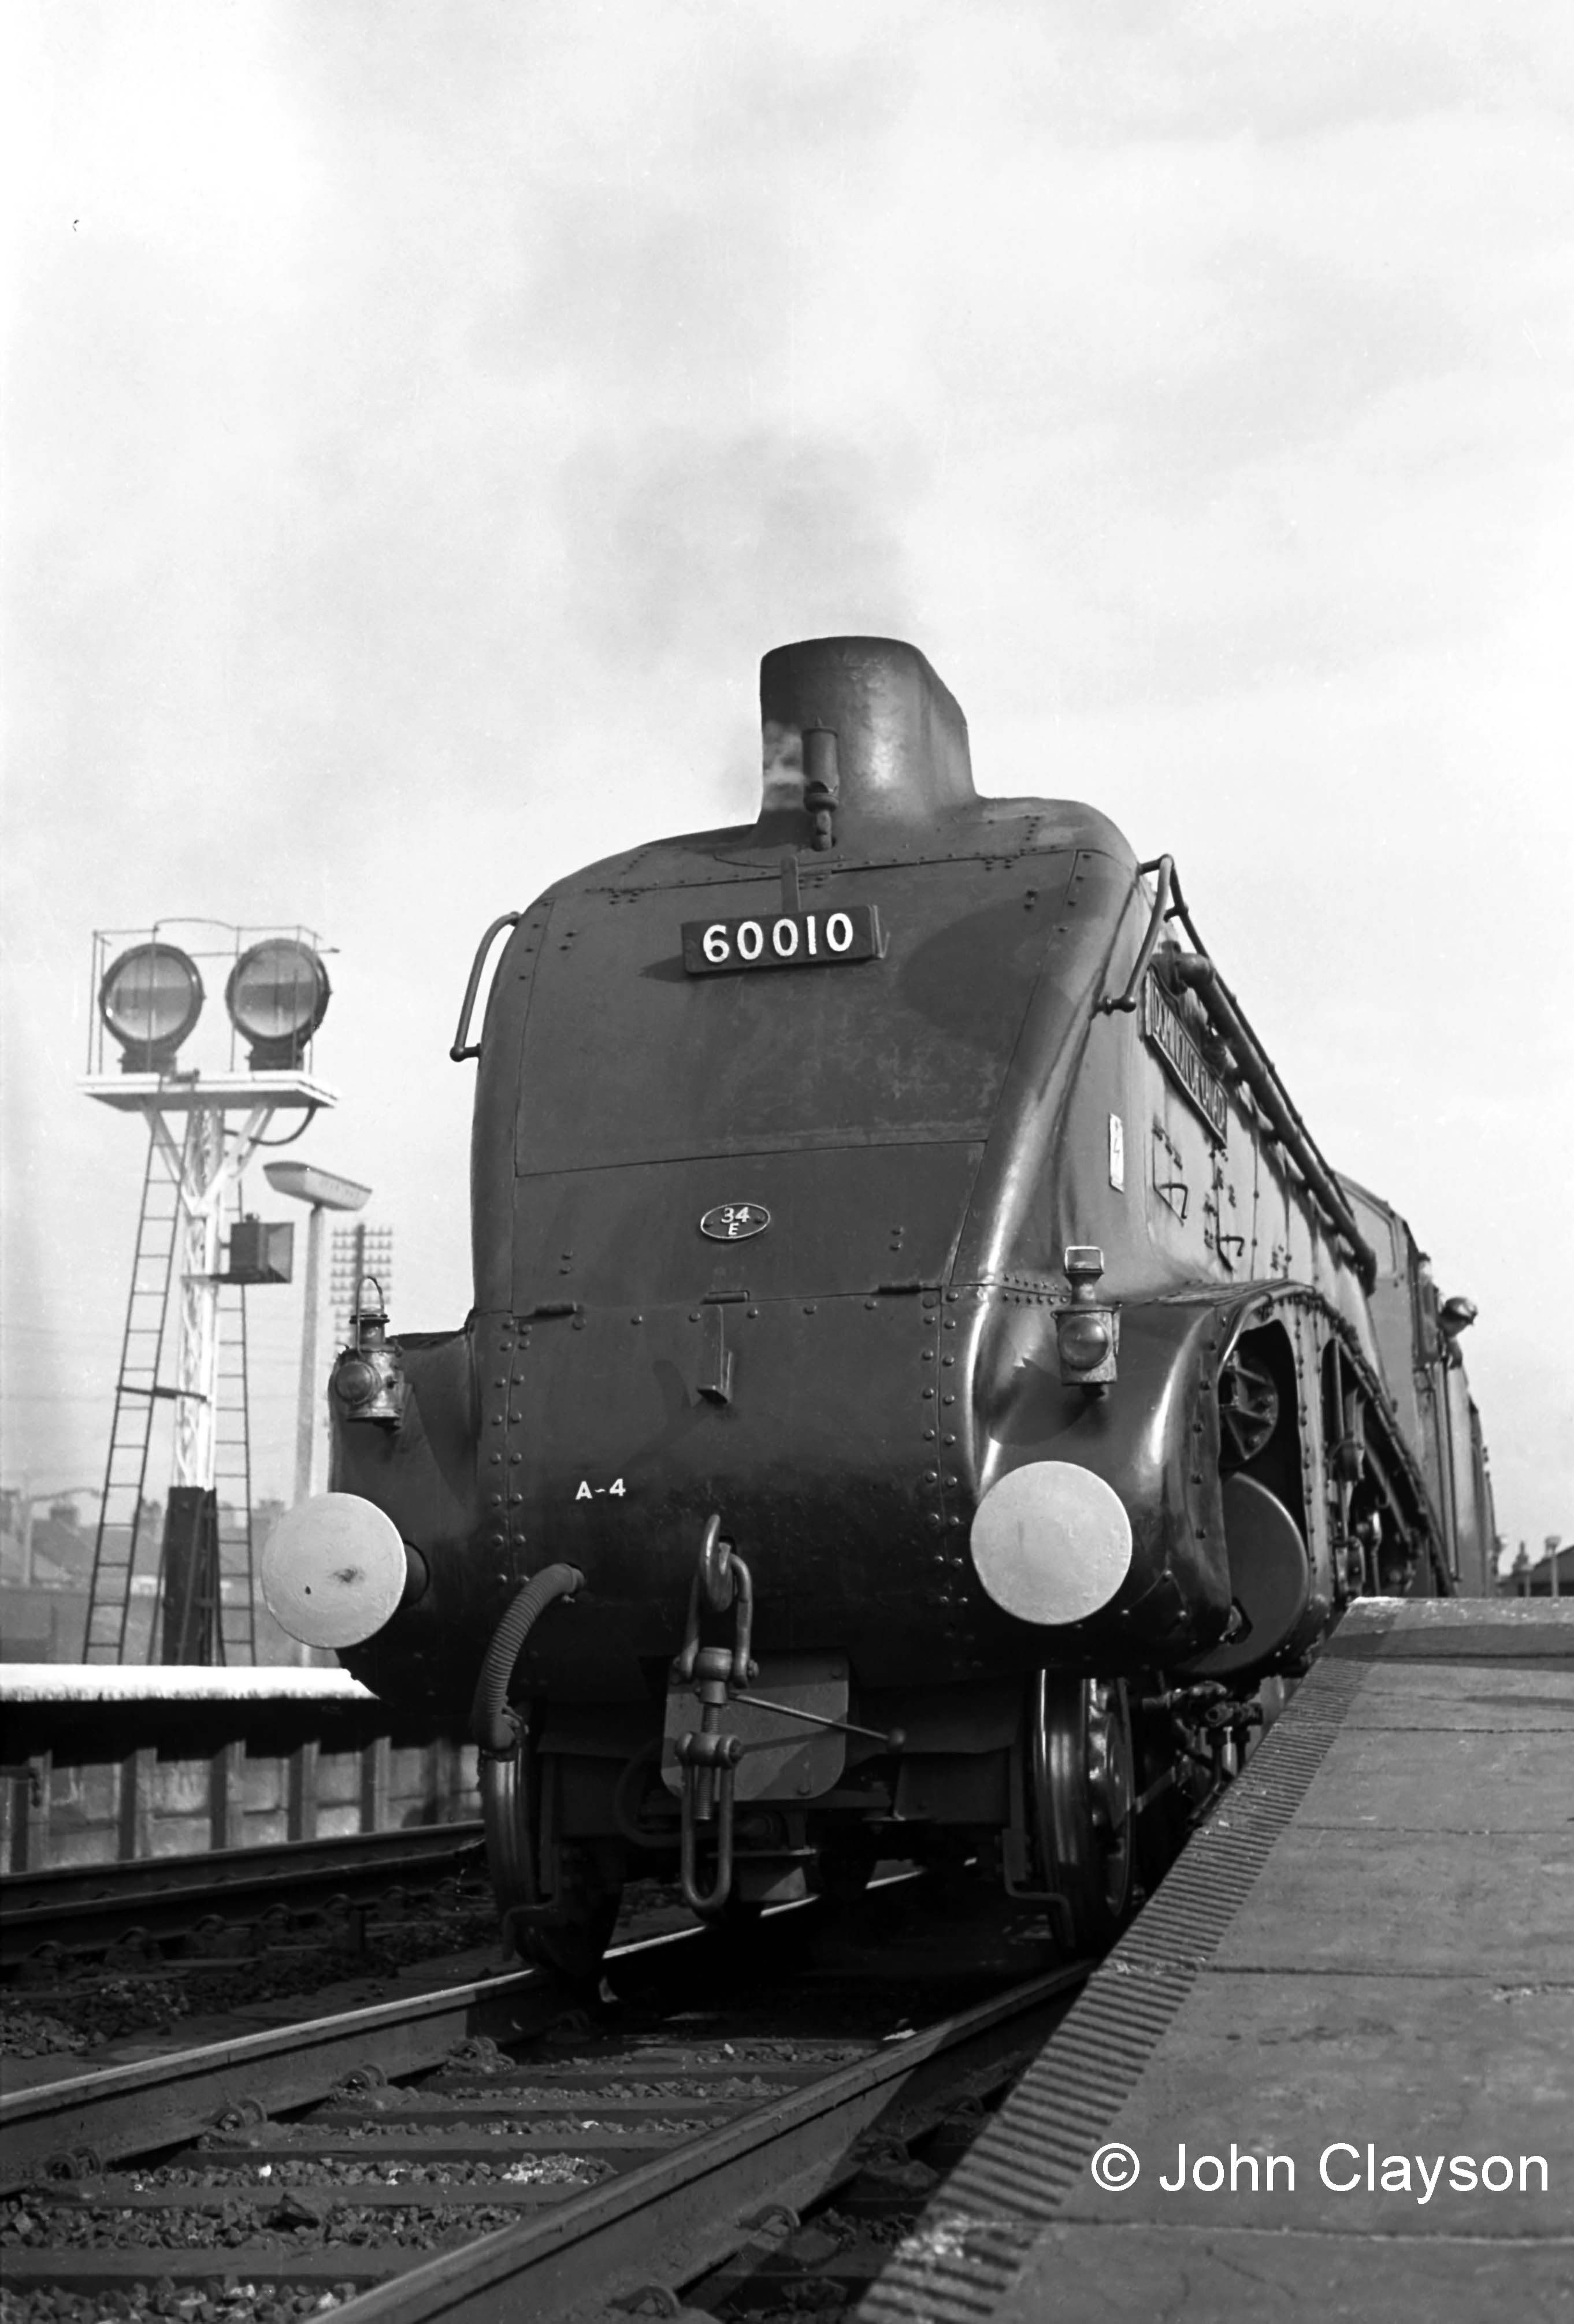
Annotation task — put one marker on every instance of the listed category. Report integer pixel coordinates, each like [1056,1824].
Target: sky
[419,420]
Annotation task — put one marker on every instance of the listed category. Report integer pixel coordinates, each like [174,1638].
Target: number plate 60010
[782,940]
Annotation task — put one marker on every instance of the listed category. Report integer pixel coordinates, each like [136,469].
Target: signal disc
[151,997]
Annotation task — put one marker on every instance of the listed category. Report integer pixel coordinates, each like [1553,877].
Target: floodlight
[308,1183]
[277,996]
[150,999]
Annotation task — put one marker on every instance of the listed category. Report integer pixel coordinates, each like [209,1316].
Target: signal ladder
[228,1623]
[235,1624]
[124,1504]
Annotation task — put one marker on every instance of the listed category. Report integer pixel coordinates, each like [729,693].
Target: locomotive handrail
[1164,865]
[1255,1067]
[1198,974]
[463,1048]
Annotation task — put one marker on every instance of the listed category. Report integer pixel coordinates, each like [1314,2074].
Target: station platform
[176,1682]
[1328,2070]
[103,1763]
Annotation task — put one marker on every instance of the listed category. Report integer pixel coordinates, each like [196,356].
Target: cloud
[687,546]
[424,417]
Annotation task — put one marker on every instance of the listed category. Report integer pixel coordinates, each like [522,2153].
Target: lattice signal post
[205,1122]
[323,1190]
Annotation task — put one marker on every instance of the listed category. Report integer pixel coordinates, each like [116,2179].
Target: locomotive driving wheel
[1082,1776]
[569,1928]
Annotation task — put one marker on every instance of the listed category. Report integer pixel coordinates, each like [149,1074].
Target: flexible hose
[492,1724]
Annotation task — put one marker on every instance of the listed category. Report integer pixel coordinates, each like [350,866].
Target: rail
[136,2108]
[703,2149]
[696,2206]
[85,1907]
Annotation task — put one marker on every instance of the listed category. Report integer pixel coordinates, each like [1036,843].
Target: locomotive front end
[836,1437]
[740,1187]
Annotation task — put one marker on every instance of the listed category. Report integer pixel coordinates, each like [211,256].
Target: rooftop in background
[1551,1576]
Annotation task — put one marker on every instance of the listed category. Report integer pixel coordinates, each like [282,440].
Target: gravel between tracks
[586,2072]
[240,2303]
[98,2008]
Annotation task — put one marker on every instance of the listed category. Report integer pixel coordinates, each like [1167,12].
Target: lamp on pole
[323,1191]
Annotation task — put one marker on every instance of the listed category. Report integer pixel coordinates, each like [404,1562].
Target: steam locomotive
[926,1391]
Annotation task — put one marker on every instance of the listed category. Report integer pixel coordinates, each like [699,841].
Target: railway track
[161,1900]
[472,2154]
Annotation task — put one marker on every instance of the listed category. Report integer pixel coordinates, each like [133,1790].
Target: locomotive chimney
[859,735]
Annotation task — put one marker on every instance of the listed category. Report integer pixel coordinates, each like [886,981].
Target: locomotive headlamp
[355,1382]
[1084,1341]
[150,999]
[1087,1333]
[368,1379]
[277,997]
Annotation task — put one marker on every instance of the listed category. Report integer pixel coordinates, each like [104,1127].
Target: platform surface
[1363,1967]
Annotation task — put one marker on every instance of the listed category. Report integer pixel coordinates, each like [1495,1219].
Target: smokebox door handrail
[463,1048]
[1164,865]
